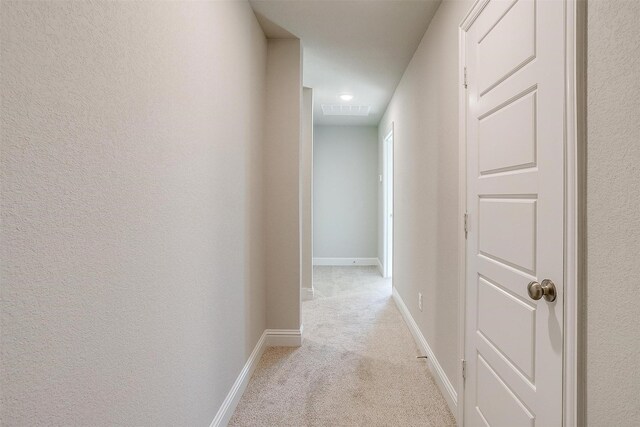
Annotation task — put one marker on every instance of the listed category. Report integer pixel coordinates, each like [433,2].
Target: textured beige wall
[132,285]
[283,133]
[306,189]
[424,110]
[613,213]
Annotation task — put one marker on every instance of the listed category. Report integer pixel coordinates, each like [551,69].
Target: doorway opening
[387,176]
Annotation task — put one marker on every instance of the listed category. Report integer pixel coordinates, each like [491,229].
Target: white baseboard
[237,389]
[284,337]
[449,393]
[380,267]
[345,261]
[269,338]
[306,294]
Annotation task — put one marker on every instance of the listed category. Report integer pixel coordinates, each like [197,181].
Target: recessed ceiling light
[346,97]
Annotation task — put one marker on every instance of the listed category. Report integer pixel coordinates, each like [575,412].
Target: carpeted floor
[357,365]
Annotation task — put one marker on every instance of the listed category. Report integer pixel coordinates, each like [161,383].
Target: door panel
[514,340]
[514,53]
[507,136]
[507,231]
[499,406]
[498,60]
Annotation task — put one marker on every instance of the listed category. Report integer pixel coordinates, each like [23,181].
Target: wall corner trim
[449,393]
[380,267]
[284,337]
[307,294]
[345,261]
[237,389]
[269,338]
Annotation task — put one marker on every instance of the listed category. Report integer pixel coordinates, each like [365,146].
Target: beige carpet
[357,365]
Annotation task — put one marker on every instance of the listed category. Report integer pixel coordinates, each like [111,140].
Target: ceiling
[358,47]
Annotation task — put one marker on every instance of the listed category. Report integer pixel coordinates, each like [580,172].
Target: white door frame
[387,189]
[575,37]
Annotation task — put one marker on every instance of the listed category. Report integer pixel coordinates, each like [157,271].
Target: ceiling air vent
[345,110]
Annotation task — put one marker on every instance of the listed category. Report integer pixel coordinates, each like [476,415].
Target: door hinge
[464,369]
[465,77]
[466,225]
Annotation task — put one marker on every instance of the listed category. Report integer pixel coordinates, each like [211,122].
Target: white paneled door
[514,56]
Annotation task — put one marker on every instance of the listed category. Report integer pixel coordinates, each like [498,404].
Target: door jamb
[462,205]
[575,210]
[386,222]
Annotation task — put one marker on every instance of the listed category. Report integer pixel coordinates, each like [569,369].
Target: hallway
[196,199]
[357,364]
